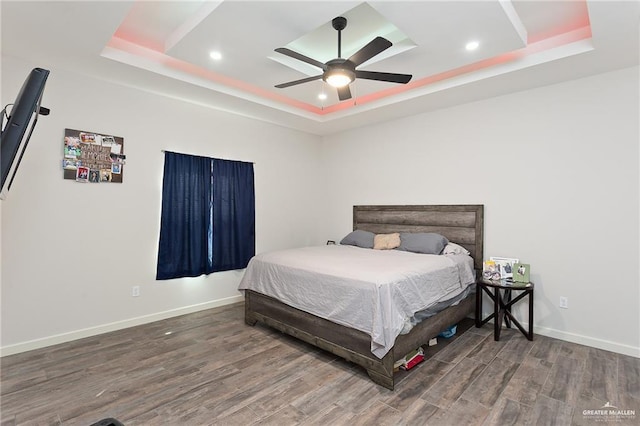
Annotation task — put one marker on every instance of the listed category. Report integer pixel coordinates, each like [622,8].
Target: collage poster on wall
[93,157]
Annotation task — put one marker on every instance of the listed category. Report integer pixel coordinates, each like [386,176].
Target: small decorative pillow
[453,248]
[422,242]
[359,238]
[386,241]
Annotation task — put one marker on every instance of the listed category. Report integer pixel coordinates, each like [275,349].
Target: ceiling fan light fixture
[339,77]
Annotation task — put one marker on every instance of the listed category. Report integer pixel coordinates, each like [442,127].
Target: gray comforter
[374,291]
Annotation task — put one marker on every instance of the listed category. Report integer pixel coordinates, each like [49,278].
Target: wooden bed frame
[461,224]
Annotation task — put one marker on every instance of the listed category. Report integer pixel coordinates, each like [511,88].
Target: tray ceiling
[165,47]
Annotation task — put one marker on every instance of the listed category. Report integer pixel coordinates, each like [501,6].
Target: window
[208,216]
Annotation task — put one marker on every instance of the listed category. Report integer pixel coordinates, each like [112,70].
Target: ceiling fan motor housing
[341,66]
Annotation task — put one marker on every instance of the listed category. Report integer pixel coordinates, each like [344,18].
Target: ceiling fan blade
[344,93]
[302,80]
[374,47]
[384,76]
[301,57]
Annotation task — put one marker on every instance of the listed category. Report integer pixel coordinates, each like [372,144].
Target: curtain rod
[217,158]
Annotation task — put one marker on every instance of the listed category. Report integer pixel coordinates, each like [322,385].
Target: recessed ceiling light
[322,96]
[472,45]
[215,55]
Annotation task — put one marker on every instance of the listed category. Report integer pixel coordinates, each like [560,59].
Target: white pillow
[453,248]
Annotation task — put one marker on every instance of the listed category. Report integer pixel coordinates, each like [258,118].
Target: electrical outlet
[564,303]
[135,291]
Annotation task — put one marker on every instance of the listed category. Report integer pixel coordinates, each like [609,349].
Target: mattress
[375,291]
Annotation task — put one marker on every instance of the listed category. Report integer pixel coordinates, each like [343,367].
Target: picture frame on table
[505,266]
[490,270]
[521,272]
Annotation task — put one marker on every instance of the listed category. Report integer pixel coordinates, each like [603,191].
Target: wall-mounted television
[21,120]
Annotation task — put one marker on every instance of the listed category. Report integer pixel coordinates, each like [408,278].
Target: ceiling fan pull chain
[355,97]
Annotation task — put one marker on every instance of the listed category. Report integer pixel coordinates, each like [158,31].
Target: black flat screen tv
[20,124]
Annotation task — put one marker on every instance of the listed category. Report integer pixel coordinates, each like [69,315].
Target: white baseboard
[588,341]
[118,325]
[579,339]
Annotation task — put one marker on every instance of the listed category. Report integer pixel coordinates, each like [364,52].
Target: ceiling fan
[340,72]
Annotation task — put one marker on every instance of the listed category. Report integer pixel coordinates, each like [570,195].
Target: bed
[460,224]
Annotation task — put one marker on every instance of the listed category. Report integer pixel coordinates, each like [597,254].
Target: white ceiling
[164,46]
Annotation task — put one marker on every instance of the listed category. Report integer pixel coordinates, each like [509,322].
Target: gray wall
[555,167]
[71,252]
[557,171]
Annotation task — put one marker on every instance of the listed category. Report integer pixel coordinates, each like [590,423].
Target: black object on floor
[108,422]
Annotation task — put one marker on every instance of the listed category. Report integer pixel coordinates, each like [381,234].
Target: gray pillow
[422,242]
[359,238]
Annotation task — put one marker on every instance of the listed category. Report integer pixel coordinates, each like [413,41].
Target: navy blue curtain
[233,215]
[208,216]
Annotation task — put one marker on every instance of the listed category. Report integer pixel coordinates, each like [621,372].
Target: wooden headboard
[461,224]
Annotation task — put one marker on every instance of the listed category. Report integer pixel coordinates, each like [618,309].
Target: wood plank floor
[209,368]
